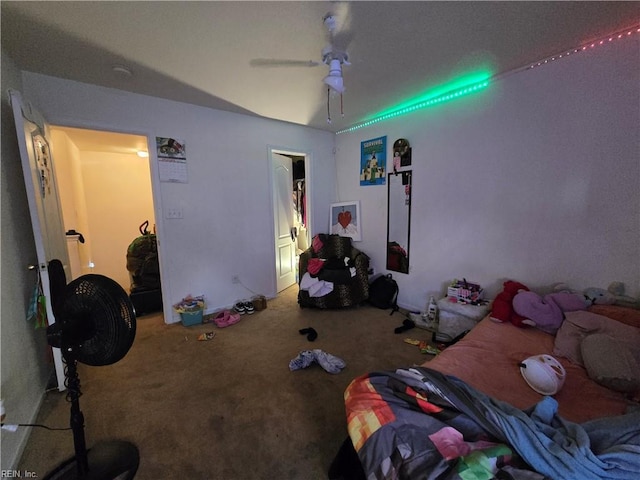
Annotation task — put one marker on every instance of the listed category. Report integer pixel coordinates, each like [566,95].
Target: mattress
[487,358]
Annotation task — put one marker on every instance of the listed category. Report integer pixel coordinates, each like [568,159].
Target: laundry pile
[330,363]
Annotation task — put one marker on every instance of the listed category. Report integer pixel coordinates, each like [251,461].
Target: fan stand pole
[77,418]
[92,304]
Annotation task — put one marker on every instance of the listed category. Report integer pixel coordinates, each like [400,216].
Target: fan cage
[99,317]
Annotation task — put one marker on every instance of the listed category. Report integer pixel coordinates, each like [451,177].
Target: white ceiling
[200,52]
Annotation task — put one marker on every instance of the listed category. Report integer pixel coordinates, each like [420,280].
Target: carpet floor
[228,408]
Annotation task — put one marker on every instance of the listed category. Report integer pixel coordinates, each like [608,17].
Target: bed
[469,414]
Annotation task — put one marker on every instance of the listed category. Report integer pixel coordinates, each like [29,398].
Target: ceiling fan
[334,55]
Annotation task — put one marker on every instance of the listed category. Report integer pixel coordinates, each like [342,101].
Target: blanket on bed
[418,423]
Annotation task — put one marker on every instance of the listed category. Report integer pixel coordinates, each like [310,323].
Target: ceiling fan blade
[274,62]
[338,25]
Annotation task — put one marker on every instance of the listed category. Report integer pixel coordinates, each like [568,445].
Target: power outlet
[235,279]
[175,212]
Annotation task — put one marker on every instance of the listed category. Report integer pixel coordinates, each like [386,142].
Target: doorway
[106,197]
[290,213]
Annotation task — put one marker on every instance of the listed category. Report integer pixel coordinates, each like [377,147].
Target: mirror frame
[401,264]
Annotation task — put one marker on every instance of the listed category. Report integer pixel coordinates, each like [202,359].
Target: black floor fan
[95,325]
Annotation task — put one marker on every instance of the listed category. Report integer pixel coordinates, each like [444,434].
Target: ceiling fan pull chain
[328,109]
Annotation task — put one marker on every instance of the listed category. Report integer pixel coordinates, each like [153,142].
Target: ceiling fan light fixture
[334,79]
[335,83]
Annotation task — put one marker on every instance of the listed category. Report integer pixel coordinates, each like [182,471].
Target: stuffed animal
[617,290]
[599,296]
[593,295]
[547,313]
[613,295]
[502,308]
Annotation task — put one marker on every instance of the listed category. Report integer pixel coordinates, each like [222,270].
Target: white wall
[227,227]
[118,195]
[537,179]
[105,196]
[71,191]
[24,368]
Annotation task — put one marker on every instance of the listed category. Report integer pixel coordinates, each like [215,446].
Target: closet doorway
[104,181]
[290,218]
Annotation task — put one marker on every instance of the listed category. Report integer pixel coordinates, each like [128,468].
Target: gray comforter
[420,424]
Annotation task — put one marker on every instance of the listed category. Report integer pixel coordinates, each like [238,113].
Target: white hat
[543,373]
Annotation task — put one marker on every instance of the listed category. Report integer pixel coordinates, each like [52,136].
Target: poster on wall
[172,160]
[373,161]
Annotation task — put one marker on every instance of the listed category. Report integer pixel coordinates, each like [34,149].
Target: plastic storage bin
[192,318]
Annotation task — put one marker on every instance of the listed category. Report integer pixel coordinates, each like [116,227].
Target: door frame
[155,192]
[308,165]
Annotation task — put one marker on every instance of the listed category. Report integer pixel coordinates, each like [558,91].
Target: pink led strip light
[588,46]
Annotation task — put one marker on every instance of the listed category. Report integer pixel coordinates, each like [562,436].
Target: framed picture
[373,162]
[344,220]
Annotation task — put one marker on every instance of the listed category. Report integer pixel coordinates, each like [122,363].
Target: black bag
[383,293]
[142,261]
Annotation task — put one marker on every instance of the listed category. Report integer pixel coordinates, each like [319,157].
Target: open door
[285,240]
[44,203]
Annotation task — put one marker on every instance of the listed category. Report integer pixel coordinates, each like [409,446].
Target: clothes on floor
[329,362]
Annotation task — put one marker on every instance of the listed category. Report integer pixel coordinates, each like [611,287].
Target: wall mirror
[398,221]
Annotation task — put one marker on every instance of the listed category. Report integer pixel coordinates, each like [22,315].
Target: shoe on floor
[233,319]
[226,318]
[240,307]
[248,307]
[220,318]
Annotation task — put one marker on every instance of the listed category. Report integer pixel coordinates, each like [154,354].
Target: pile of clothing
[323,273]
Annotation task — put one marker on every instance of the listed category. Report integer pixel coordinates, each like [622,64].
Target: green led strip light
[450,95]
[477,82]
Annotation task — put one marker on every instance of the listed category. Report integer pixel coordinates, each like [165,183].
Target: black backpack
[142,261]
[383,293]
